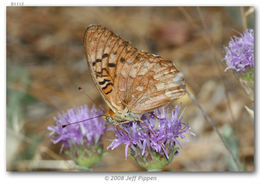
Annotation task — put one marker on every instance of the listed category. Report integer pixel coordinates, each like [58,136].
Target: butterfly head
[109,117]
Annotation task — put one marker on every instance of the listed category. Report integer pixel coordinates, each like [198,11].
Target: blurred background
[46,64]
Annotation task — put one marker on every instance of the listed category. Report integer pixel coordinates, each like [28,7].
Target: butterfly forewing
[106,54]
[126,78]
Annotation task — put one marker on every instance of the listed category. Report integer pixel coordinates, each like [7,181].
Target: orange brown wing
[148,83]
[127,78]
[104,51]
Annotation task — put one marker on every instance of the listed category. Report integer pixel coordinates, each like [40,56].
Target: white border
[133,3]
[38,178]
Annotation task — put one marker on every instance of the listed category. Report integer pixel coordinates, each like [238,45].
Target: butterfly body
[126,115]
[131,82]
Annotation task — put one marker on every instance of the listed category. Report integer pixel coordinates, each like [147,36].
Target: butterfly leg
[123,130]
[121,123]
[156,116]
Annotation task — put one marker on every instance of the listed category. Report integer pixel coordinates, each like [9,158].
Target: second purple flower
[154,142]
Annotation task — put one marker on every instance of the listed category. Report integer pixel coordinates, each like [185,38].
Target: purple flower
[240,52]
[80,134]
[82,138]
[155,138]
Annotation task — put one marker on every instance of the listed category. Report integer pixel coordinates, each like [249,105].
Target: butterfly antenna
[65,125]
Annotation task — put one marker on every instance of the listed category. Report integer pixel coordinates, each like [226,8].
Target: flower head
[240,52]
[153,142]
[82,139]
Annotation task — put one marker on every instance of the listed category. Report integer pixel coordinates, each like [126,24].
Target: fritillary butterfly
[131,82]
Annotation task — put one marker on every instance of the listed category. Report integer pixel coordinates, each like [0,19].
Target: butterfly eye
[109,119]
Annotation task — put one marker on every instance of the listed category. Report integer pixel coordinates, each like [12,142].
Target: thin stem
[217,57]
[206,116]
[208,39]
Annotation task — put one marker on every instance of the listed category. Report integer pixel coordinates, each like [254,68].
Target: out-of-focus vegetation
[46,64]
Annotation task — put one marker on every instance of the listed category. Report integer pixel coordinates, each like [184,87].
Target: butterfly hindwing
[150,83]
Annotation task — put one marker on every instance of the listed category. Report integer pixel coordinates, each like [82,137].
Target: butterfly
[131,82]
